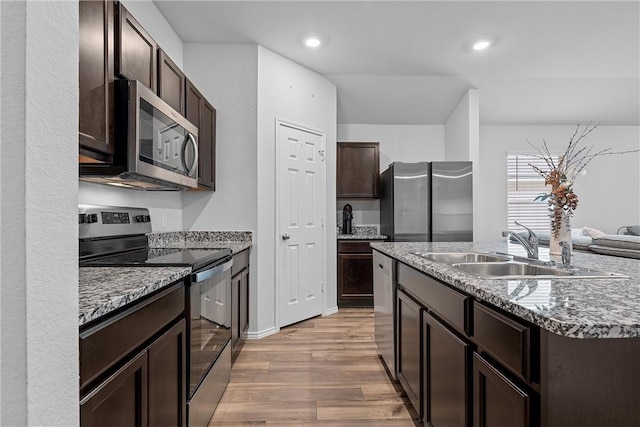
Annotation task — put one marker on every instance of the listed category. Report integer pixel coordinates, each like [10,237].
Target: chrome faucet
[530,243]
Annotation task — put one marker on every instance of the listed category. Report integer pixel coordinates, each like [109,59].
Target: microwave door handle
[192,139]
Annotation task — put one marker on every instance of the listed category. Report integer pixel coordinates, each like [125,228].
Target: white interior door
[301,257]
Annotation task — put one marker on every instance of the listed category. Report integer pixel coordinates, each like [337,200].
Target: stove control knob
[91,218]
[147,218]
[139,218]
[82,218]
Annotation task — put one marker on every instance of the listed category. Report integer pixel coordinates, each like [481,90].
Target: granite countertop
[361,237]
[577,308]
[237,241]
[105,289]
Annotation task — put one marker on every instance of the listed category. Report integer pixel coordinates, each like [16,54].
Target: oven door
[209,320]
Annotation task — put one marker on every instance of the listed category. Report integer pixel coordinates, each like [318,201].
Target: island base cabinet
[497,402]
[409,352]
[591,382]
[121,400]
[446,375]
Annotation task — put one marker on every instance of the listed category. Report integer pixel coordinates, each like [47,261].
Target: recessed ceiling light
[312,41]
[481,44]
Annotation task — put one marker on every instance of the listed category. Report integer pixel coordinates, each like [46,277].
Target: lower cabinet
[149,390]
[454,378]
[239,301]
[355,274]
[409,349]
[445,367]
[121,400]
[167,378]
[497,401]
[133,364]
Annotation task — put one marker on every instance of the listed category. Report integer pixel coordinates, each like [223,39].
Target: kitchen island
[529,352]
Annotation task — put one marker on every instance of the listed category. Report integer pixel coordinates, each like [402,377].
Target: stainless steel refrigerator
[427,202]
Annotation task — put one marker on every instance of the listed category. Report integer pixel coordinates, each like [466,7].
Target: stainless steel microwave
[156,148]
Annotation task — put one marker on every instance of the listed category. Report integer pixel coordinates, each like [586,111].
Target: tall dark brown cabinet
[96,75]
[202,114]
[358,170]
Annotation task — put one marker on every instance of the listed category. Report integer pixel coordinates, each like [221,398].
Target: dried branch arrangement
[561,176]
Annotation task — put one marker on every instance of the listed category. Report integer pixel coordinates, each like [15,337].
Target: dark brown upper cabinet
[136,51]
[96,81]
[171,82]
[358,165]
[202,114]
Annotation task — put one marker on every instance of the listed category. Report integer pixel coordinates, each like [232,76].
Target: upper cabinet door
[96,80]
[358,167]
[136,54]
[171,82]
[202,114]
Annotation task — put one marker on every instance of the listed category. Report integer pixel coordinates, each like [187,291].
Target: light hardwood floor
[321,372]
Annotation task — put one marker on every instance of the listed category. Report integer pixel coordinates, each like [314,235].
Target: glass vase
[563,235]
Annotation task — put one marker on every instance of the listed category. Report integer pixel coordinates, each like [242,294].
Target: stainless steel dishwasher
[384,301]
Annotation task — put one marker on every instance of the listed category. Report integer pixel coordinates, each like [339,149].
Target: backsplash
[180,238]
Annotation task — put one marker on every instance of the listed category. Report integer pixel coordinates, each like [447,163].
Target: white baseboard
[330,311]
[261,334]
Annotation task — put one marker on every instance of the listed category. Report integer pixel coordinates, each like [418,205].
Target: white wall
[154,23]
[398,143]
[290,92]
[227,75]
[38,198]
[609,195]
[165,207]
[462,143]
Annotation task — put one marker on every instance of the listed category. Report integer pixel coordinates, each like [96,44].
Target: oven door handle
[201,276]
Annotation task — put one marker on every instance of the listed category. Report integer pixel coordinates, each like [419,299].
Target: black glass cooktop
[196,258]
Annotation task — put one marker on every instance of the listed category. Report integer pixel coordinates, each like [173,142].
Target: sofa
[626,244]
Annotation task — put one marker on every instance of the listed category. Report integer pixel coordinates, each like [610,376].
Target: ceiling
[409,62]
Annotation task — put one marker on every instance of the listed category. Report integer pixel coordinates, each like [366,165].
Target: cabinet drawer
[240,262]
[104,344]
[361,247]
[448,304]
[503,338]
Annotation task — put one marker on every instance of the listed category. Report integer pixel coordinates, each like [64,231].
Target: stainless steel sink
[520,270]
[509,269]
[462,257]
[504,266]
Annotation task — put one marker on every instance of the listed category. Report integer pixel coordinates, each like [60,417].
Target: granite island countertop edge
[576,308]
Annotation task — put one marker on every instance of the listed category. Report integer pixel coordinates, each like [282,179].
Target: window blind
[523,185]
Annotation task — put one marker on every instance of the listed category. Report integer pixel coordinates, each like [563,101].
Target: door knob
[285,236]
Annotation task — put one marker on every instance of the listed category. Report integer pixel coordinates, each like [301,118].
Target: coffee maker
[347,217]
